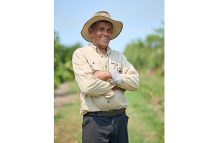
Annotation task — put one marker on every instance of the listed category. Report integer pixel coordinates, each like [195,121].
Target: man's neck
[104,51]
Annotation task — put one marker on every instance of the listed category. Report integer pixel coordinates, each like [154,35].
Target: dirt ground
[60,101]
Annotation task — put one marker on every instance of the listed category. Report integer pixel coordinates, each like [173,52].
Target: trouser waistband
[110,113]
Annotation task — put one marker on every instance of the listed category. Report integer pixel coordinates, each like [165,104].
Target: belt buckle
[114,112]
[110,113]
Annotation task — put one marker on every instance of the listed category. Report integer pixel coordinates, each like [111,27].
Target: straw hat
[102,15]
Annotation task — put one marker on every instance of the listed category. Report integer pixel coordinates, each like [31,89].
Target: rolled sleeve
[129,76]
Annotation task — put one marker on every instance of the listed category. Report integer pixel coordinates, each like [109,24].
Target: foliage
[62,61]
[147,55]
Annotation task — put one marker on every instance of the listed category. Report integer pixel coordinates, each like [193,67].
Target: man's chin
[104,45]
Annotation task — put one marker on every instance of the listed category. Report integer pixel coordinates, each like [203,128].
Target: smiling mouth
[105,39]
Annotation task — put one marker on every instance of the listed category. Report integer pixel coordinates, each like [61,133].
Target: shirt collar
[97,50]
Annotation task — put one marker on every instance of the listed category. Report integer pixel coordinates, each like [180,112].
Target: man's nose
[106,33]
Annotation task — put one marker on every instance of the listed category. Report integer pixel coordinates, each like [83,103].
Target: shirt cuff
[116,77]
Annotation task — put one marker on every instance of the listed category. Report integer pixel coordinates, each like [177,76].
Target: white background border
[26,73]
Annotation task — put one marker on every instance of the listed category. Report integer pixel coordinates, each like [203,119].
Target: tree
[62,61]
[147,55]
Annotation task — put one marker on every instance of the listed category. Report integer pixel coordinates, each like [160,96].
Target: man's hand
[102,75]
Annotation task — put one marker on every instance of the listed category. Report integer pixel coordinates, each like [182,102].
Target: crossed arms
[106,75]
[96,83]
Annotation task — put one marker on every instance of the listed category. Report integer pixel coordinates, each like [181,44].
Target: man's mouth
[105,39]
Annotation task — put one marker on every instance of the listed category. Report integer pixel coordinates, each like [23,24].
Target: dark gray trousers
[103,129]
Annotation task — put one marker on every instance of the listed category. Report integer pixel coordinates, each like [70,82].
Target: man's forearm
[103,75]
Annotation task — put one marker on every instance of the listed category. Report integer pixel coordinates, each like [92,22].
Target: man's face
[101,34]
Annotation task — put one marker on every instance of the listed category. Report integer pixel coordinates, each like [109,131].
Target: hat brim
[117,27]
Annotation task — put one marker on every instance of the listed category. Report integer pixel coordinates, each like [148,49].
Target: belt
[110,113]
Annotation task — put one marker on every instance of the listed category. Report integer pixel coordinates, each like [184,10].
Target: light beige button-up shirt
[96,94]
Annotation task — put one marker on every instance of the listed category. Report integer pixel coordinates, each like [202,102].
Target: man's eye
[100,30]
[109,31]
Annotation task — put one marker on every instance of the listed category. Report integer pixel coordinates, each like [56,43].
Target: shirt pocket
[116,66]
[96,66]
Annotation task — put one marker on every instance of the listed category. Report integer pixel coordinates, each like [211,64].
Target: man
[103,75]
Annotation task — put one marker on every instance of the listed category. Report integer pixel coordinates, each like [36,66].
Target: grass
[67,124]
[145,111]
[74,87]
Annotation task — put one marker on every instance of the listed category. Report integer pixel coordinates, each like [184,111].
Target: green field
[145,111]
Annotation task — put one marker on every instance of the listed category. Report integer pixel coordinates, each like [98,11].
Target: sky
[139,17]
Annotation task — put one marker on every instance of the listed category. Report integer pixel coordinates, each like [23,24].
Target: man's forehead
[101,23]
[104,23]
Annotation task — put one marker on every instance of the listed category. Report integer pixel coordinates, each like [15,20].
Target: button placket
[104,59]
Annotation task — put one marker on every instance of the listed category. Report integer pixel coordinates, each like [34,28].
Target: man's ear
[90,32]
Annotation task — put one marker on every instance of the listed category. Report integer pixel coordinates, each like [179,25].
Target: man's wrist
[109,76]
[116,77]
